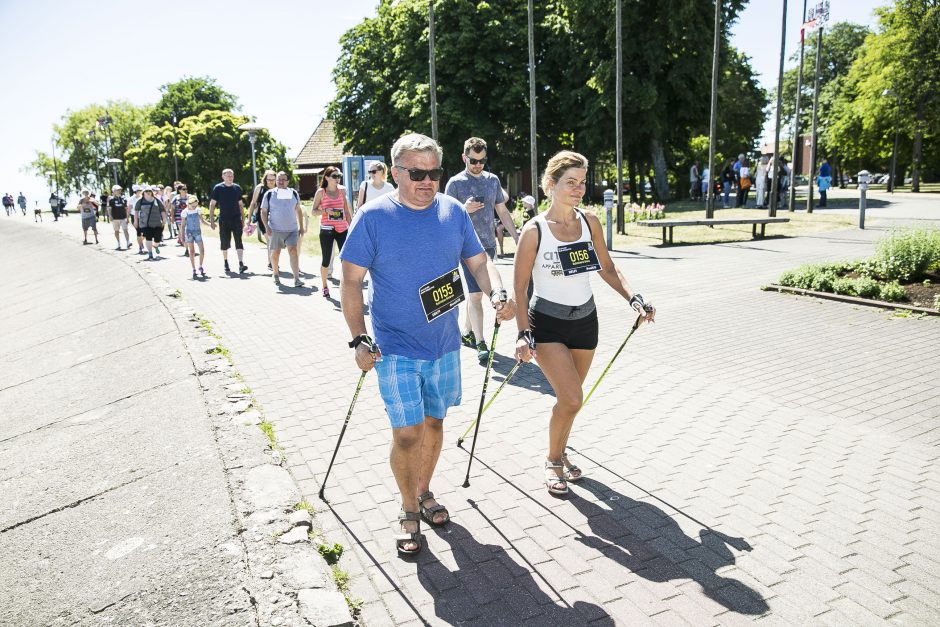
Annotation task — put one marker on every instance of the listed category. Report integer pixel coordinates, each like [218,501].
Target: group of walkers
[413,302]
[9,205]
[739,176]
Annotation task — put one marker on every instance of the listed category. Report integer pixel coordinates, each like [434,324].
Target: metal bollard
[863,180]
[608,207]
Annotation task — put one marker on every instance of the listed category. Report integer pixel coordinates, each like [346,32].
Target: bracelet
[499,293]
[363,339]
[528,337]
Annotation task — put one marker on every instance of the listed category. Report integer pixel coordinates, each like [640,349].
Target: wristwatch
[362,339]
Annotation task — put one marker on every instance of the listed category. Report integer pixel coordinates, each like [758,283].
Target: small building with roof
[321,150]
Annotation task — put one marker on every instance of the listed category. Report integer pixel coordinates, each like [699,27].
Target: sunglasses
[477,161]
[373,171]
[336,176]
[417,174]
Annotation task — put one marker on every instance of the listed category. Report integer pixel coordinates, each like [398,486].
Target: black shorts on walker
[577,334]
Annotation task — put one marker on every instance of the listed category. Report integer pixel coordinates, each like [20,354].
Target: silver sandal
[571,469]
[552,480]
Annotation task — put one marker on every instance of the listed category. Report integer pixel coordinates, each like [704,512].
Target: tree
[87,138]
[484,92]
[191,96]
[205,145]
[902,59]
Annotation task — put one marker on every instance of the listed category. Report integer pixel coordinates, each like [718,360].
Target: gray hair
[415,142]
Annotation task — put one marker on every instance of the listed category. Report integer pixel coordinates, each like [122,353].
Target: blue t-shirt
[403,249]
[226,198]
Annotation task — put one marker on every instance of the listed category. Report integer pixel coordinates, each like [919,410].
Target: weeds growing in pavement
[330,552]
[206,324]
[219,350]
[268,429]
[305,504]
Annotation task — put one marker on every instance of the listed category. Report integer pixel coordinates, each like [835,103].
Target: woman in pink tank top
[335,216]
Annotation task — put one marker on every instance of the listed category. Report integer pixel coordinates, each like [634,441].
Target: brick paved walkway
[751,455]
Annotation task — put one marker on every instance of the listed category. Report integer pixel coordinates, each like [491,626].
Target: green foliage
[382,86]
[818,277]
[82,148]
[936,301]
[905,254]
[893,292]
[190,96]
[844,286]
[866,287]
[205,144]
[330,552]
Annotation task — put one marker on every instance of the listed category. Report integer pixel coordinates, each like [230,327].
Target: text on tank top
[548,276]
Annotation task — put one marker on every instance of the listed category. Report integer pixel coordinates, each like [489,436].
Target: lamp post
[252,130]
[894,152]
[176,165]
[114,161]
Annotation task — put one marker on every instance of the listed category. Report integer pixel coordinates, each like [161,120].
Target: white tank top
[548,280]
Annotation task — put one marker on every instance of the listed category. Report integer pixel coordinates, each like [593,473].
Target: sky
[66,54]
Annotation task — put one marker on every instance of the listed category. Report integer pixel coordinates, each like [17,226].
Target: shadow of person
[489,587]
[645,540]
[529,376]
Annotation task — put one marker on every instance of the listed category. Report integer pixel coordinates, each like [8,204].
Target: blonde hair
[557,165]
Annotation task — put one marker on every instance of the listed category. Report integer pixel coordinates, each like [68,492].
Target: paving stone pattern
[751,456]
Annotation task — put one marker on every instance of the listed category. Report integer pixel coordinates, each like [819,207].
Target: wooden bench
[671,224]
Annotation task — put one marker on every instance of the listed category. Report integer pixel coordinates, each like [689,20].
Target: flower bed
[905,268]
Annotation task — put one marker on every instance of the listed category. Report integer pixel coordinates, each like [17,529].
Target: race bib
[577,258]
[442,294]
[336,214]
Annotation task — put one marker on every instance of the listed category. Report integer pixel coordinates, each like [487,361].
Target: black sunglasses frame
[473,161]
[417,174]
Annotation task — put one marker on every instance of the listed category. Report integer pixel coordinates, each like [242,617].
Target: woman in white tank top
[558,252]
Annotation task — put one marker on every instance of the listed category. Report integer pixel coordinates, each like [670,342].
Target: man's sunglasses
[417,174]
[477,161]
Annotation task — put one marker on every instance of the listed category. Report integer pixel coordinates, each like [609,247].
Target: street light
[114,161]
[252,130]
[894,153]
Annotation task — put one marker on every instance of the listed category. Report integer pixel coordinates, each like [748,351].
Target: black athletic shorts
[577,334]
[227,231]
[152,233]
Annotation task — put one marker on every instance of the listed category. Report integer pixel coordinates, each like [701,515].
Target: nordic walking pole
[636,325]
[486,378]
[490,402]
[372,349]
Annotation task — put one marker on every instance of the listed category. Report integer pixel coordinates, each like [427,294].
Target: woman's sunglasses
[417,174]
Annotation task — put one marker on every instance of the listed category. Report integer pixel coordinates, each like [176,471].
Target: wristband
[363,339]
[528,337]
[499,293]
[637,299]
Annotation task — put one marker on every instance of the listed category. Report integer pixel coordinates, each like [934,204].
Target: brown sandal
[428,512]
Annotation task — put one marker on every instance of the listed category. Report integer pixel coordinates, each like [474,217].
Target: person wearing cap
[151,216]
[529,208]
[117,211]
[88,209]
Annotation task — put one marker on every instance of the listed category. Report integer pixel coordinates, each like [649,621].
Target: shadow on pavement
[619,532]
[529,376]
[489,587]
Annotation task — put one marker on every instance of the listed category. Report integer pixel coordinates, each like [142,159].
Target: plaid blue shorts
[415,388]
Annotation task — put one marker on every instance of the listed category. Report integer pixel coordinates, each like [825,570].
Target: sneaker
[469,340]
[195,276]
[202,271]
[227,268]
[242,268]
[298,283]
[118,248]
[150,257]
[269,265]
[325,292]
[277,279]
[483,353]
[156,249]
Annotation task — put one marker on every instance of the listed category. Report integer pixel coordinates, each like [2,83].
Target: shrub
[810,276]
[936,301]
[866,287]
[893,292]
[823,281]
[905,254]
[844,286]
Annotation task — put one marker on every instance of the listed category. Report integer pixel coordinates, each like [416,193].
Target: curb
[290,583]
[855,300]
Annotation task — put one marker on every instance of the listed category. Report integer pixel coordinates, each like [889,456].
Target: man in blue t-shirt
[413,298]
[227,195]
[482,196]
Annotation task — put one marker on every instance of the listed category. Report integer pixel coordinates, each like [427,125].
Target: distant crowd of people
[739,176]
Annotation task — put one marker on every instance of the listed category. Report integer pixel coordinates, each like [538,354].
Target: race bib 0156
[578,257]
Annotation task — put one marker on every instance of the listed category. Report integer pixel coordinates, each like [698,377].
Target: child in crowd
[190,219]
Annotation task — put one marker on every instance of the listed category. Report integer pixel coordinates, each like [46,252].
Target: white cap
[146,188]
[136,188]
[529,200]
[114,188]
